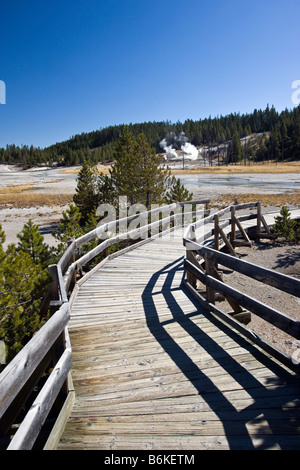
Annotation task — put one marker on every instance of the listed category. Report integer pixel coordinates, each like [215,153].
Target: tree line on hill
[278,138]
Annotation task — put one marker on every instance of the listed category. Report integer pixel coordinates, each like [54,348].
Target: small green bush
[285,226]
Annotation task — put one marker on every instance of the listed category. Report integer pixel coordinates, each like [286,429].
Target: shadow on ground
[269,400]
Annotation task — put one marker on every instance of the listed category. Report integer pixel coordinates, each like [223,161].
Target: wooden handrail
[198,254]
[273,316]
[30,427]
[19,370]
[24,371]
[281,281]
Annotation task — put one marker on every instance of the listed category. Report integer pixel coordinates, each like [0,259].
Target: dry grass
[15,188]
[35,200]
[104,170]
[24,195]
[260,168]
[21,199]
[265,199]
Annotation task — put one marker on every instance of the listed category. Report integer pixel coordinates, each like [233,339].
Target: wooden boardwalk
[151,370]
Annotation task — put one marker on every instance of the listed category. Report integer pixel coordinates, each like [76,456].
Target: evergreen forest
[277,137]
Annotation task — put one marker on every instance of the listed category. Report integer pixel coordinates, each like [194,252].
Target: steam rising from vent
[173,143]
[168,148]
[190,151]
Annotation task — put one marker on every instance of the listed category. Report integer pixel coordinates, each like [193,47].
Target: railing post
[209,268]
[192,280]
[216,235]
[57,351]
[52,270]
[55,301]
[258,224]
[233,226]
[73,260]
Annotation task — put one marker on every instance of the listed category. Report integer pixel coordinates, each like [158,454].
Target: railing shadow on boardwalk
[268,403]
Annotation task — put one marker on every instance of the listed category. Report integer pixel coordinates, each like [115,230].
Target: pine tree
[2,240]
[295,133]
[106,191]
[136,172]
[283,138]
[150,178]
[85,196]
[22,286]
[177,192]
[236,148]
[71,228]
[68,228]
[274,142]
[123,170]
[32,242]
[285,226]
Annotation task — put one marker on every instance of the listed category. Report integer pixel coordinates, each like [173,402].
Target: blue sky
[75,66]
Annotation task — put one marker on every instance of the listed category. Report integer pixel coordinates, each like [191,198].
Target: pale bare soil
[284,258]
[38,194]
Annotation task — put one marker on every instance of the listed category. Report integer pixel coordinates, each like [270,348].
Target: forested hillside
[279,139]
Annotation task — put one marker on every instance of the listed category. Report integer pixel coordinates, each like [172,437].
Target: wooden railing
[23,373]
[202,264]
[50,346]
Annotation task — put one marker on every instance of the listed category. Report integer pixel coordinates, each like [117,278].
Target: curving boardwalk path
[153,371]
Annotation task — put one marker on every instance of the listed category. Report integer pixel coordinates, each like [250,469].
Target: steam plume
[173,143]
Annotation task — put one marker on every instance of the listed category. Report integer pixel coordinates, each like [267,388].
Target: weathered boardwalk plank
[152,371]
